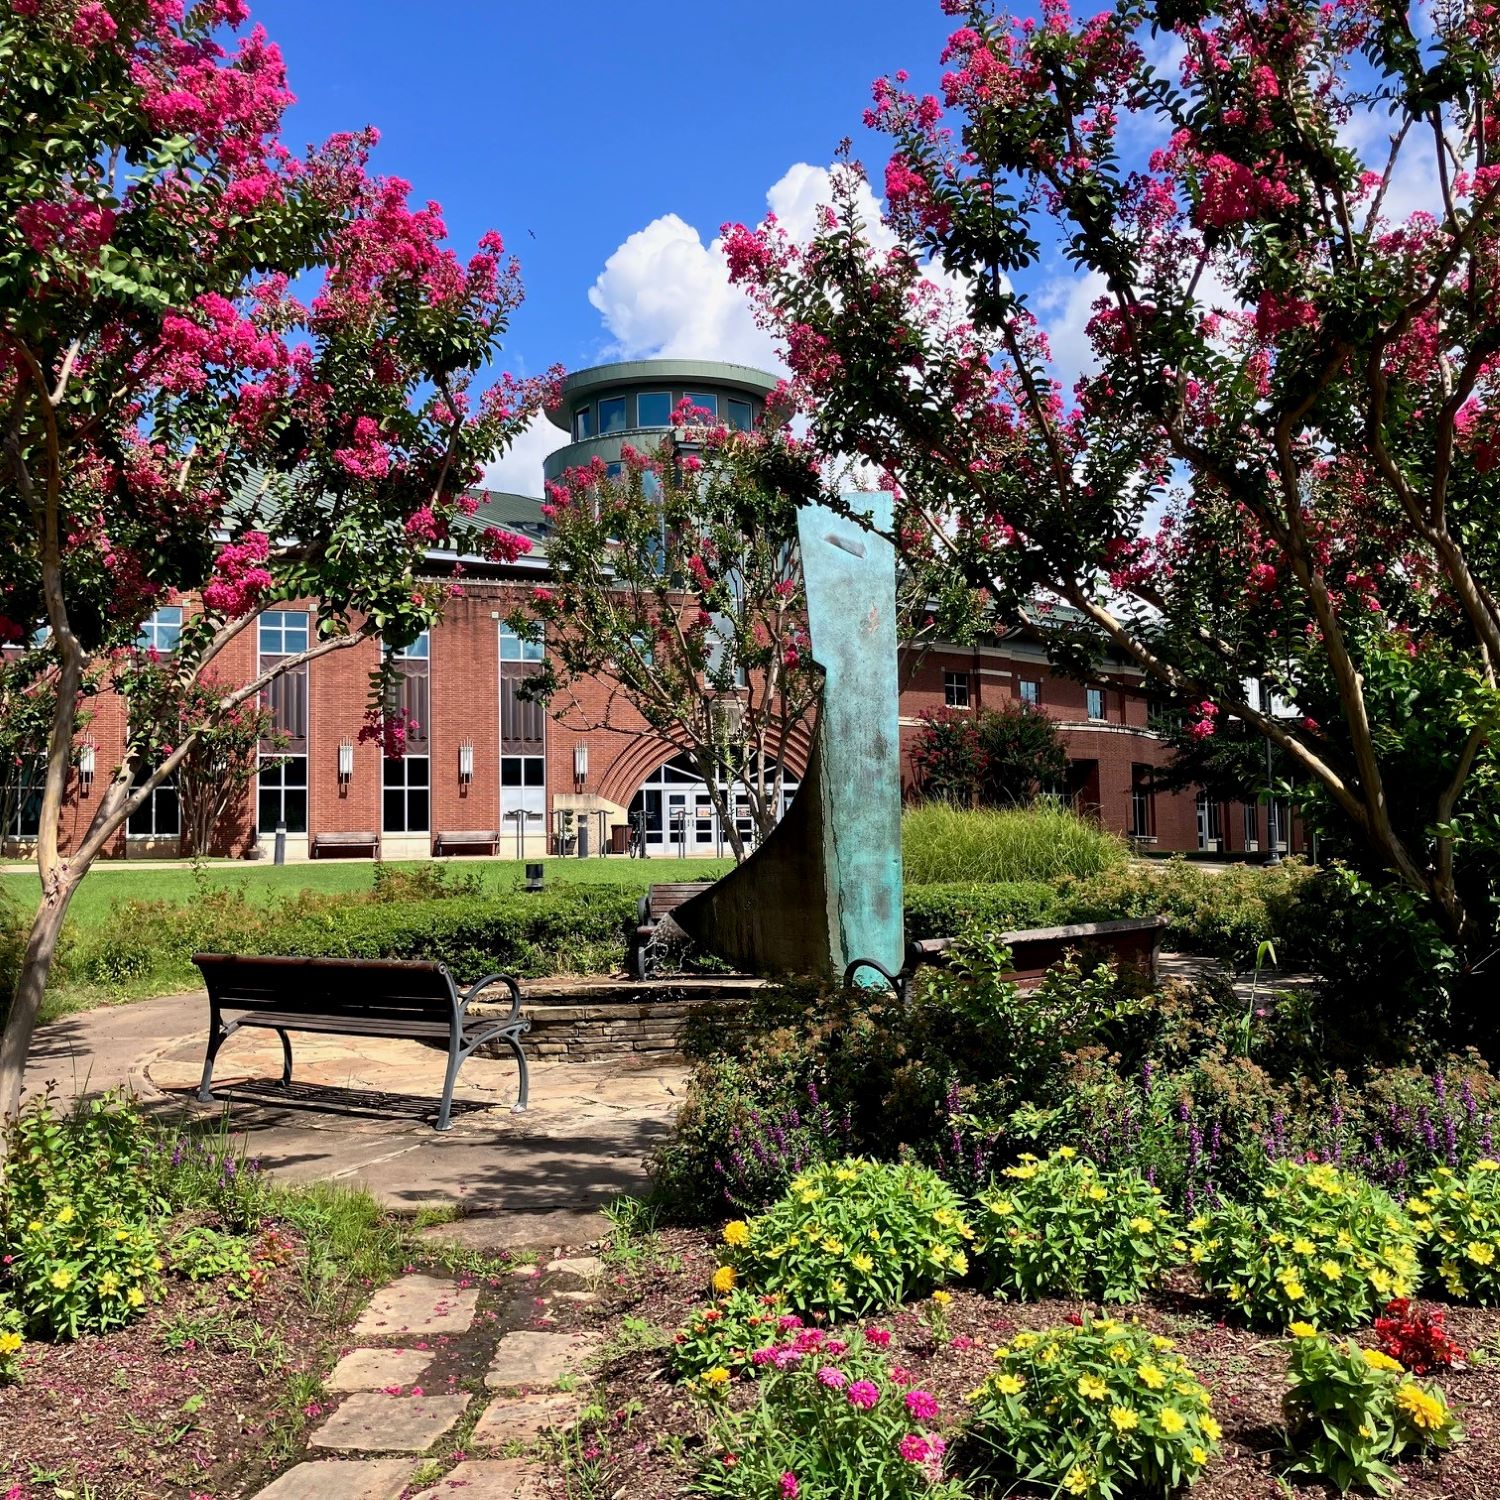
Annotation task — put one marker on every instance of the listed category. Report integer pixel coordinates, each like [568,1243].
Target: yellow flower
[1025,1340]
[1303,1246]
[61,1278]
[724,1279]
[1021,1174]
[9,1343]
[1331,1270]
[1077,1482]
[65,1214]
[939,1253]
[135,1296]
[1199,1454]
[736,1232]
[1172,1421]
[1141,1226]
[109,1284]
[1091,1387]
[833,1246]
[1096,1194]
[34,1225]
[1480,1253]
[1419,1206]
[1067,1153]
[1211,1429]
[1302,1331]
[1151,1376]
[942,1298]
[960,1263]
[1294,1289]
[1119,1353]
[1161,1341]
[1486,1165]
[845,1174]
[1001,1206]
[1009,1385]
[1423,1411]
[1125,1418]
[1378,1360]
[716,1377]
[862,1263]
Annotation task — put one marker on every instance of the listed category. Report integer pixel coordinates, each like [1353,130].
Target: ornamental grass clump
[1349,1411]
[1063,1228]
[831,1422]
[1312,1244]
[853,1237]
[1459,1215]
[1101,1410]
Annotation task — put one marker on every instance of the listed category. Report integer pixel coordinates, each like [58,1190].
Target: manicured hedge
[934,911]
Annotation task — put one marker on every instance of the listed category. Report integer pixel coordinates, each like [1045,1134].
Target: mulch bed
[655,1434]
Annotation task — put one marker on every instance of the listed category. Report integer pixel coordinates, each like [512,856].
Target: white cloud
[519,469]
[1063,307]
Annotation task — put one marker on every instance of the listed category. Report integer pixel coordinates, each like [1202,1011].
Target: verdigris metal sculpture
[824,889]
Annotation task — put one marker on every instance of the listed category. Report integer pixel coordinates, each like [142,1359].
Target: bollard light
[534,877]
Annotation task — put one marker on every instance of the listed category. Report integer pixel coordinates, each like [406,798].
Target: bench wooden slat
[660,900]
[370,841]
[467,838]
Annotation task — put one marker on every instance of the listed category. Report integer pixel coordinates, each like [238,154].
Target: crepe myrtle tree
[226,371]
[677,584]
[1284,465]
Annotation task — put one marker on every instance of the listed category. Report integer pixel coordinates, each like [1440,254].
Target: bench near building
[487,773]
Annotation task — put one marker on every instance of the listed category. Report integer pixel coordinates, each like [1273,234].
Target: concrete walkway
[361,1109]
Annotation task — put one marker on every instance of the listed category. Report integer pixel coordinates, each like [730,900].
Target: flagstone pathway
[399,1423]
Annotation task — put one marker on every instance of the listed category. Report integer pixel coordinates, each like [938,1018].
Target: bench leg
[286,1059]
[524,1086]
[217,1036]
[455,1059]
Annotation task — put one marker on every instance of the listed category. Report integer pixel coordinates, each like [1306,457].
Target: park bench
[467,838]
[323,843]
[1132,942]
[658,902]
[410,999]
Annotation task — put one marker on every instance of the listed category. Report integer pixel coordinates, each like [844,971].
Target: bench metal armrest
[483,984]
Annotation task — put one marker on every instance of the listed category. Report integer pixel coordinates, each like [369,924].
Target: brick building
[486,771]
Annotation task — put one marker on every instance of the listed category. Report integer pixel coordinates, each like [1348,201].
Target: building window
[1276,822]
[419,650]
[21,798]
[956,689]
[1031,692]
[583,423]
[1096,702]
[739,415]
[523,794]
[411,689]
[283,632]
[653,409]
[407,796]
[706,401]
[1210,830]
[614,470]
[160,815]
[513,648]
[281,795]
[1142,802]
[161,631]
[612,415]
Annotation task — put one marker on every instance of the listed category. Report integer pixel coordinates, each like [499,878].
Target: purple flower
[863,1395]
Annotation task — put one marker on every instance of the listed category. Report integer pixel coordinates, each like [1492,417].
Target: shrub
[855,1236]
[204,1254]
[834,1422]
[1063,1228]
[1225,914]
[1099,1410]
[944,845]
[1350,1410]
[424,880]
[1415,1336]
[946,910]
[1461,1217]
[12,1330]
[725,1334]
[1313,1245]
[80,1254]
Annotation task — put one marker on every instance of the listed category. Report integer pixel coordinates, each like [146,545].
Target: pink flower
[922,1405]
[863,1394]
[834,1379]
[790,1489]
[914,1448]
[880,1337]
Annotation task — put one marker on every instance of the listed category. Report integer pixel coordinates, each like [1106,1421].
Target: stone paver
[576,1296]
[417,1305]
[537,1360]
[488,1479]
[378,1369]
[585,1267]
[370,1421]
[330,1479]
[523,1419]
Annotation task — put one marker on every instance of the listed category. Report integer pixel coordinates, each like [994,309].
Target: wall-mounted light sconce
[346,763]
[580,762]
[466,762]
[85,769]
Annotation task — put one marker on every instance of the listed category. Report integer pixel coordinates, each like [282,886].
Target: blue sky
[572,127]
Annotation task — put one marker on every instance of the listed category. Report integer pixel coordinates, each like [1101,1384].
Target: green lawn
[110,885]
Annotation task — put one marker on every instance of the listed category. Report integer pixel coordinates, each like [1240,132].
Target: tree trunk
[41,948]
